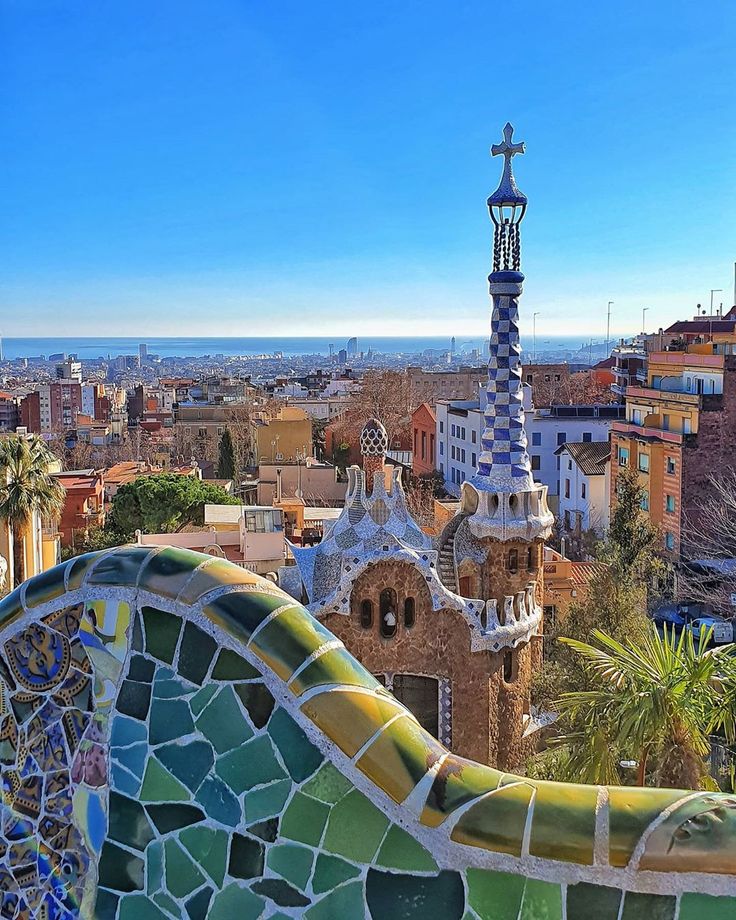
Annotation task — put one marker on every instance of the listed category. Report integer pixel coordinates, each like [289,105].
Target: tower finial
[507,206]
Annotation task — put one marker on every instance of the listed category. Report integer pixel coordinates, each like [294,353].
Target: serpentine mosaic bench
[179,738]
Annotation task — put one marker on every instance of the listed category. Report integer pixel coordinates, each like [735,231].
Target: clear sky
[247,167]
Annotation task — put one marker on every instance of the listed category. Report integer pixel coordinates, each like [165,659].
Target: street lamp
[644,320]
[712,292]
[608,326]
[534,334]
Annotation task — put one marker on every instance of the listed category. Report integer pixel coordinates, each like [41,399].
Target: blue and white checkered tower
[502,498]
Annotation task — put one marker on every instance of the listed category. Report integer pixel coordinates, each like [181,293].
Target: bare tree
[385,395]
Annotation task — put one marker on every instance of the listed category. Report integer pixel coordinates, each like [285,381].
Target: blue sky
[248,167]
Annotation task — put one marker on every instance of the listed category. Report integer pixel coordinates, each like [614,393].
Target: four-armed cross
[507,148]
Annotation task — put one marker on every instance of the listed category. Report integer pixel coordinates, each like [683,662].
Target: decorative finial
[507,206]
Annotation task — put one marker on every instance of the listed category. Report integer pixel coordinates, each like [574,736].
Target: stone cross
[507,148]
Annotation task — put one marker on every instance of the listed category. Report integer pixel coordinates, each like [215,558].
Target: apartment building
[583,487]
[429,386]
[424,440]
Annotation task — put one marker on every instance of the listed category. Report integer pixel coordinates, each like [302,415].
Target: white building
[460,424]
[584,479]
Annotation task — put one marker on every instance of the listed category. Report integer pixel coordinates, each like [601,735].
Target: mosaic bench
[179,738]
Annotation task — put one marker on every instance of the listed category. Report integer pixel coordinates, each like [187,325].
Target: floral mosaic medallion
[179,739]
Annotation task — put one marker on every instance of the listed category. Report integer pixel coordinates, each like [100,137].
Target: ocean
[194,347]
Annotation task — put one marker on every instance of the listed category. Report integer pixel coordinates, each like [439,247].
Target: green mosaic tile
[240,612]
[169,719]
[45,587]
[133,758]
[138,907]
[168,571]
[222,722]
[288,640]
[189,763]
[167,903]
[258,702]
[231,666]
[120,569]
[128,822]
[235,901]
[355,811]
[106,905]
[77,570]
[401,851]
[706,907]
[458,782]
[294,863]
[252,764]
[120,870]
[299,754]
[154,867]
[496,822]
[182,876]
[167,818]
[168,687]
[585,901]
[160,786]
[571,805]
[162,633]
[215,573]
[337,666]
[246,857]
[134,699]
[495,895]
[11,609]
[219,802]
[266,830]
[195,654]
[198,904]
[137,642]
[208,848]
[280,892]
[266,801]
[542,901]
[648,907]
[631,810]
[346,902]
[415,897]
[331,871]
[201,698]
[328,784]
[141,669]
[304,819]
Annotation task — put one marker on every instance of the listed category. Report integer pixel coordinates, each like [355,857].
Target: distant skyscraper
[142,353]
[342,356]
[332,349]
[352,348]
[452,345]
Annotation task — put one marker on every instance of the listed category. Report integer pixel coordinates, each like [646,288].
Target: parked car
[722,629]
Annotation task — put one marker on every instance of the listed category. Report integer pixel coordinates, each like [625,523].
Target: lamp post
[534,334]
[608,326]
[644,320]
[712,292]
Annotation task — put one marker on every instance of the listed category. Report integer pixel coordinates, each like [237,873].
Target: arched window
[388,612]
[421,696]
[366,614]
[513,560]
[409,611]
[530,558]
[508,666]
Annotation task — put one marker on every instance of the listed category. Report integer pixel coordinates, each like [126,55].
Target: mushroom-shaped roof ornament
[373,439]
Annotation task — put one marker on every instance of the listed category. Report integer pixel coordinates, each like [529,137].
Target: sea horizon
[95,347]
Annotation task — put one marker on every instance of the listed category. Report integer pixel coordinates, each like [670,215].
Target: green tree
[164,503]
[226,462]
[653,701]
[632,541]
[27,486]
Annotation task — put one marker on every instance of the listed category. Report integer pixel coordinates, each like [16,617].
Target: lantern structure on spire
[507,206]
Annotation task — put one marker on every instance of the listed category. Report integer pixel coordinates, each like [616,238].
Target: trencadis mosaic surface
[179,738]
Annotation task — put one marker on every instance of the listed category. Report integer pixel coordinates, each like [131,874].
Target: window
[474,460]
[474,436]
[637,416]
[463,434]
[442,427]
[567,520]
[424,445]
[452,451]
[536,462]
[583,490]
[569,463]
[366,614]
[623,456]
[530,558]
[567,488]
[644,504]
[452,430]
[508,666]
[561,438]
[203,432]
[670,465]
[644,463]
[409,611]
[686,426]
[462,458]
[587,437]
[431,448]
[669,540]
[387,613]
[512,562]
[442,448]
[665,422]
[670,504]
[421,695]
[536,438]
[465,586]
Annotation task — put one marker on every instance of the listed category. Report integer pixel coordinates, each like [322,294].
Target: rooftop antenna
[712,292]
[608,325]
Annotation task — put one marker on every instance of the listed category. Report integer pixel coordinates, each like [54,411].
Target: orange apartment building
[680,429]
[423,428]
[83,504]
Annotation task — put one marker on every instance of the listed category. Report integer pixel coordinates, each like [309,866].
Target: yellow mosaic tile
[631,810]
[497,822]
[458,781]
[337,666]
[570,806]
[399,757]
[350,718]
[79,567]
[288,640]
[45,587]
[215,574]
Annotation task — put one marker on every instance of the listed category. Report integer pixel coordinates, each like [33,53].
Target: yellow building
[286,436]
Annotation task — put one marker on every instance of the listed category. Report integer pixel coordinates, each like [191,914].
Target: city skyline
[243,171]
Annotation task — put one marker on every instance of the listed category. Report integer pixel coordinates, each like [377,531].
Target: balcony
[658,394]
[630,429]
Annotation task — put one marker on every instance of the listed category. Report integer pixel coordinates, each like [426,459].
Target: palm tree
[655,701]
[26,486]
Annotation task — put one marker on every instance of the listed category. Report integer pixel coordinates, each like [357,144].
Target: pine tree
[226,464]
